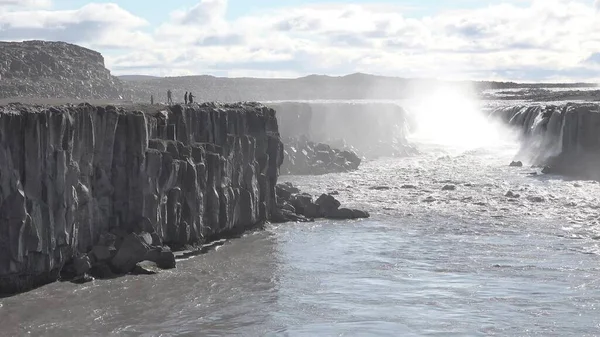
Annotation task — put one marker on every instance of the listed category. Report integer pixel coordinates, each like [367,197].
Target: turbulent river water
[467,261]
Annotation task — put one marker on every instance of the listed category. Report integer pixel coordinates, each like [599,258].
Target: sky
[505,40]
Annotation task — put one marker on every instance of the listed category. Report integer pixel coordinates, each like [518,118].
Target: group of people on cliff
[188,97]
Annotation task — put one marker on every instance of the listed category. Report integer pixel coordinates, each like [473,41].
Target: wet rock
[516,164]
[103,253]
[83,278]
[429,199]
[511,194]
[102,270]
[82,265]
[301,202]
[380,188]
[146,268]
[132,250]
[163,257]
[303,157]
[449,188]
[327,204]
[299,207]
[345,213]
[536,198]
[285,190]
[409,187]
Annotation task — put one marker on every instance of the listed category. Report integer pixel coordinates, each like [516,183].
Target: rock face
[292,205]
[303,157]
[55,70]
[370,129]
[122,185]
[563,138]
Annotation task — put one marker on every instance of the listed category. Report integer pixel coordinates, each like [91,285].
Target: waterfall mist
[454,118]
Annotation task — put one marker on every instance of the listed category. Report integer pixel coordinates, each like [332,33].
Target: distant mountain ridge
[42,69]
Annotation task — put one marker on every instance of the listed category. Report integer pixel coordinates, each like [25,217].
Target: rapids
[466,260]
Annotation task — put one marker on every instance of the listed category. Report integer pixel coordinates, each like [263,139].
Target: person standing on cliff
[185,97]
[191,98]
[169,97]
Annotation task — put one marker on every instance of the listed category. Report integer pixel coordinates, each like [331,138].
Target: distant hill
[39,69]
[136,78]
[44,69]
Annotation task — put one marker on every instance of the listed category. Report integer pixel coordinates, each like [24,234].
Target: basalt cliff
[562,138]
[84,187]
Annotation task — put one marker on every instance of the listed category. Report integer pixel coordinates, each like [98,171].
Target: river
[467,261]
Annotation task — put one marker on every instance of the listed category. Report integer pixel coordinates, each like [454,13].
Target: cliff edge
[71,175]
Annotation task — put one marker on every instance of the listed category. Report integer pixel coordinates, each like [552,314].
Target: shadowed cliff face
[69,174]
[371,129]
[563,137]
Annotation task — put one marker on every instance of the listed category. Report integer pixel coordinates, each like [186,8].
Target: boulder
[81,265]
[132,250]
[163,257]
[301,202]
[516,164]
[327,204]
[103,253]
[345,213]
[449,188]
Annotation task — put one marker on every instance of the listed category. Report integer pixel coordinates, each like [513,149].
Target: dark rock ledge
[293,205]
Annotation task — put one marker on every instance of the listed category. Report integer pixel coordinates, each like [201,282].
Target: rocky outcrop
[42,69]
[303,157]
[371,129]
[99,189]
[293,205]
[564,138]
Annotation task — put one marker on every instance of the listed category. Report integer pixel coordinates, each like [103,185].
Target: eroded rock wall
[566,138]
[69,174]
[372,129]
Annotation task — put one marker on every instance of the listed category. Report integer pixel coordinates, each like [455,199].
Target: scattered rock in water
[516,164]
[429,199]
[380,188]
[303,157]
[300,207]
[334,193]
[449,188]
[409,187]
[511,194]
[536,198]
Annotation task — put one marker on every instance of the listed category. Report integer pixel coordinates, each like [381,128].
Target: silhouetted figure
[151,99]
[185,97]
[169,97]
[191,98]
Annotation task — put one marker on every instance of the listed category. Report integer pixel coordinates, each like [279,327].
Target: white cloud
[102,25]
[522,40]
[26,3]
